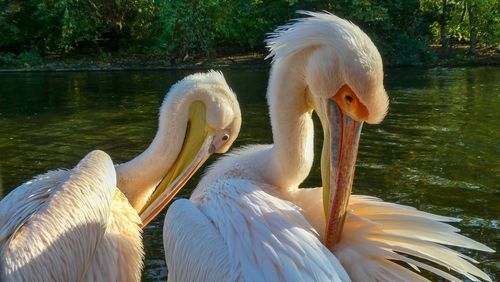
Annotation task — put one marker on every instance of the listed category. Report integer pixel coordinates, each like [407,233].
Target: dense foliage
[402,29]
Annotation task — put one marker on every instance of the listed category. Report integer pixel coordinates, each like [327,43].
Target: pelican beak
[197,147]
[338,160]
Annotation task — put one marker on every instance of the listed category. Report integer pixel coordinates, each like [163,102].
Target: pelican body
[247,220]
[75,225]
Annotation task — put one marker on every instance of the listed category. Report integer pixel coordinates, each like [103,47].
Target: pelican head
[343,77]
[201,116]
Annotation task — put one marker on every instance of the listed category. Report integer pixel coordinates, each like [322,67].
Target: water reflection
[1,185]
[437,150]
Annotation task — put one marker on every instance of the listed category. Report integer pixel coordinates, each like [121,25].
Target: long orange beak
[338,160]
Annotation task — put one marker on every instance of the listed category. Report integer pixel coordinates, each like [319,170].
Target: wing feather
[267,238]
[376,232]
[194,250]
[50,226]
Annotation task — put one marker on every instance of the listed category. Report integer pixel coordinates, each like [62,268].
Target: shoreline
[251,60]
[142,63]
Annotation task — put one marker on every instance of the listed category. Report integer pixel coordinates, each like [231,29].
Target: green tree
[399,28]
[484,22]
[208,26]
[125,22]
[473,22]
[402,29]
[187,26]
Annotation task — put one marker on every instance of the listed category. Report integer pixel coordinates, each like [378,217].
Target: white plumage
[67,225]
[76,226]
[376,233]
[248,221]
[241,229]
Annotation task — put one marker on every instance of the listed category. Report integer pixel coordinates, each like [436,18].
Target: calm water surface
[437,150]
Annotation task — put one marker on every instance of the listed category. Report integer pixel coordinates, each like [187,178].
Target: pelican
[75,225]
[247,220]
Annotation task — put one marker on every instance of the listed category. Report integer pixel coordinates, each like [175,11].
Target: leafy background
[404,30]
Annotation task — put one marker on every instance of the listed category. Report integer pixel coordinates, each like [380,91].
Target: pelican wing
[266,238]
[376,233]
[120,253]
[194,249]
[51,226]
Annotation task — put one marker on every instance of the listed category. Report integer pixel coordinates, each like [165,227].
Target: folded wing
[51,225]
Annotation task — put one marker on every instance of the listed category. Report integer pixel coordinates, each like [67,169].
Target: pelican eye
[348,99]
[225,137]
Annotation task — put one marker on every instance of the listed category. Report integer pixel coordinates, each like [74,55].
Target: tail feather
[377,206]
[425,230]
[396,272]
[401,222]
[365,264]
[432,269]
[438,254]
[377,233]
[392,239]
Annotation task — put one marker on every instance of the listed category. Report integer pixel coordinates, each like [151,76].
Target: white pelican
[247,220]
[74,225]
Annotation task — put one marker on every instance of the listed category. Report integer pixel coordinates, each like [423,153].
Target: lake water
[438,149]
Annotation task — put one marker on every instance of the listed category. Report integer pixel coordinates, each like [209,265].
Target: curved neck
[138,178]
[293,133]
